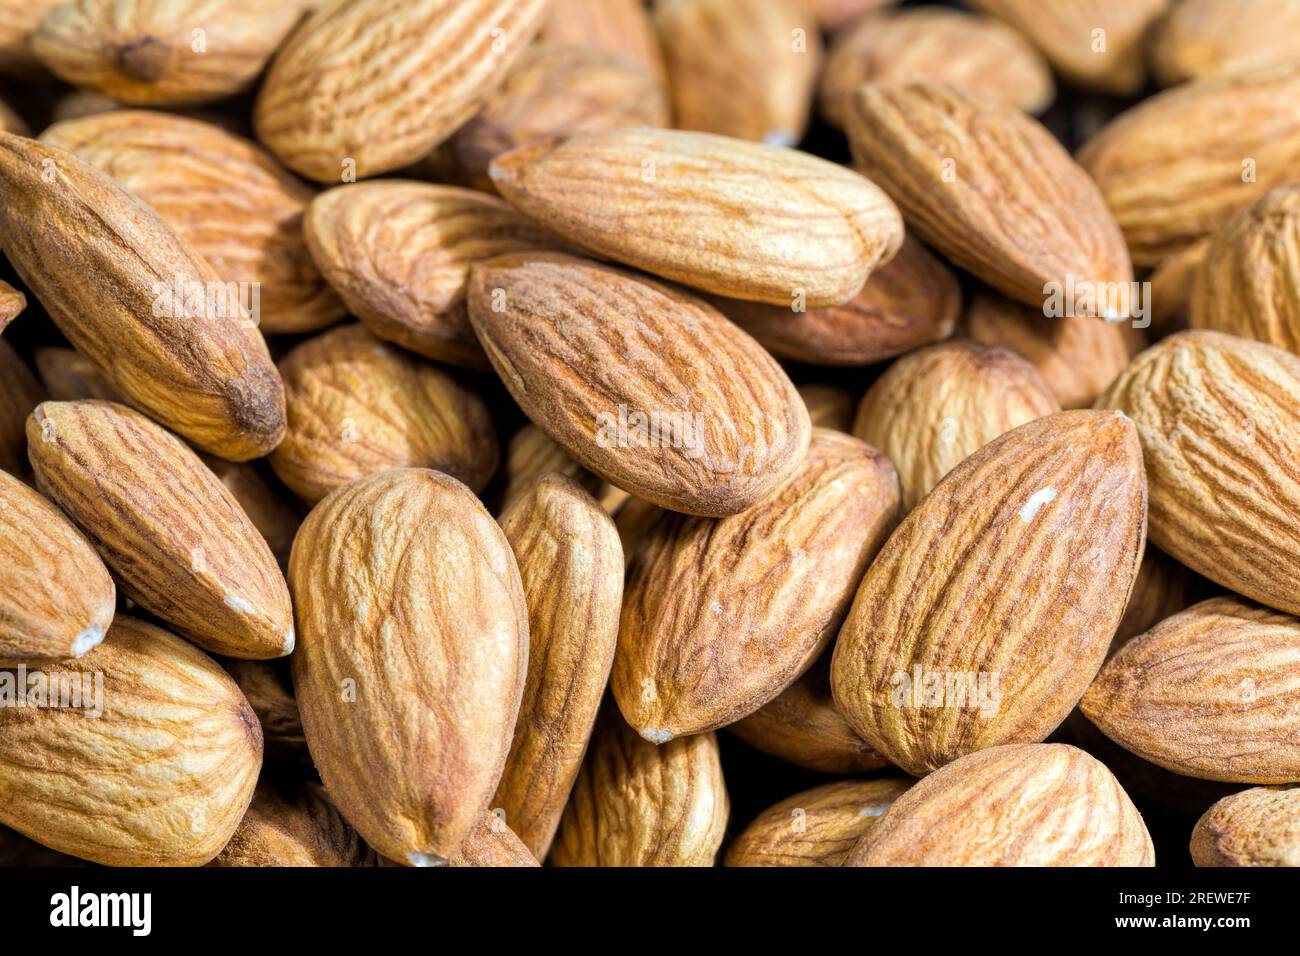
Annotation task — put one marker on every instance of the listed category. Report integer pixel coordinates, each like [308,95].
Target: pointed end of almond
[87,640]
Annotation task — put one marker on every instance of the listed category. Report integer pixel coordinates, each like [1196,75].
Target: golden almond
[274,513]
[532,454]
[834,15]
[1200,38]
[1162,589]
[492,844]
[617,26]
[1172,285]
[294,826]
[1257,827]
[18,21]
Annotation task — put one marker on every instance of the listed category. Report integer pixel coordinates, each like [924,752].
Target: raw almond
[175,537]
[12,304]
[829,406]
[532,453]
[68,375]
[1162,589]
[992,606]
[274,513]
[270,695]
[1257,827]
[20,393]
[617,26]
[492,844]
[723,614]
[18,21]
[836,14]
[161,778]
[294,826]
[990,188]
[414,646]
[1219,420]
[571,564]
[592,353]
[358,405]
[1200,38]
[1172,284]
[683,206]
[345,98]
[1018,805]
[1209,693]
[937,406]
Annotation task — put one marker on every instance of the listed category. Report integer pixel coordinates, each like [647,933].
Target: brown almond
[274,513]
[617,26]
[68,375]
[1201,38]
[18,21]
[294,826]
[20,393]
[12,304]
[492,844]
[532,454]
[270,694]
[1172,285]
[829,406]
[1257,827]
[836,14]
[1162,589]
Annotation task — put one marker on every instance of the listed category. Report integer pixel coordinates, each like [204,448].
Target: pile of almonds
[467,431]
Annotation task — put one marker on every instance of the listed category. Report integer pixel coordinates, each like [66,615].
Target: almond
[937,406]
[294,826]
[723,614]
[20,393]
[399,254]
[176,539]
[68,375]
[270,695]
[912,301]
[414,645]
[836,14]
[1219,420]
[644,385]
[492,844]
[818,827]
[829,406]
[992,606]
[224,195]
[358,405]
[532,454]
[345,99]
[161,778]
[1162,589]
[124,294]
[945,157]
[56,598]
[18,21]
[1018,805]
[1208,693]
[685,206]
[571,564]
[12,304]
[1172,284]
[274,513]
[1200,38]
[636,804]
[617,26]
[1257,827]
[742,68]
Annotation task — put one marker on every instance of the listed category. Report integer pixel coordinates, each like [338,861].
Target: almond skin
[681,205]
[818,827]
[581,346]
[944,157]
[340,90]
[1169,182]
[493,844]
[1249,283]
[571,563]
[56,598]
[273,511]
[723,614]
[358,405]
[12,304]
[399,254]
[270,694]
[1015,572]
[20,393]
[414,647]
[162,778]
[294,826]
[18,21]
[224,195]
[1205,37]
[829,406]
[176,539]
[1018,805]
[1208,693]
[69,375]
[532,454]
[616,26]
[937,406]
[913,300]
[636,804]
[1218,419]
[1172,285]
[742,68]
[1257,827]
[202,371]
[1162,589]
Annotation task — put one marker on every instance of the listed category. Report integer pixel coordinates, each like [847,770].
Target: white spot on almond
[1036,502]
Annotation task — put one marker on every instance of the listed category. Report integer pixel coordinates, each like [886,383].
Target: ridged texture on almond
[1203,37]
[1006,583]
[716,213]
[1065,30]
[1162,589]
[224,195]
[1219,420]
[271,696]
[1208,693]
[818,827]
[1077,356]
[161,778]
[1023,805]
[203,370]
[571,563]
[742,68]
[976,54]
[358,405]
[1249,284]
[636,804]
[937,406]
[411,664]
[1169,180]
[616,26]
[399,254]
[1257,827]
[18,21]
[176,539]
[555,90]
[294,826]
[989,187]
[56,598]
[147,51]
[723,614]
[1172,285]
[274,512]
[584,348]
[19,394]
[532,453]
[492,844]
[380,83]
[802,727]
[69,375]
[911,301]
